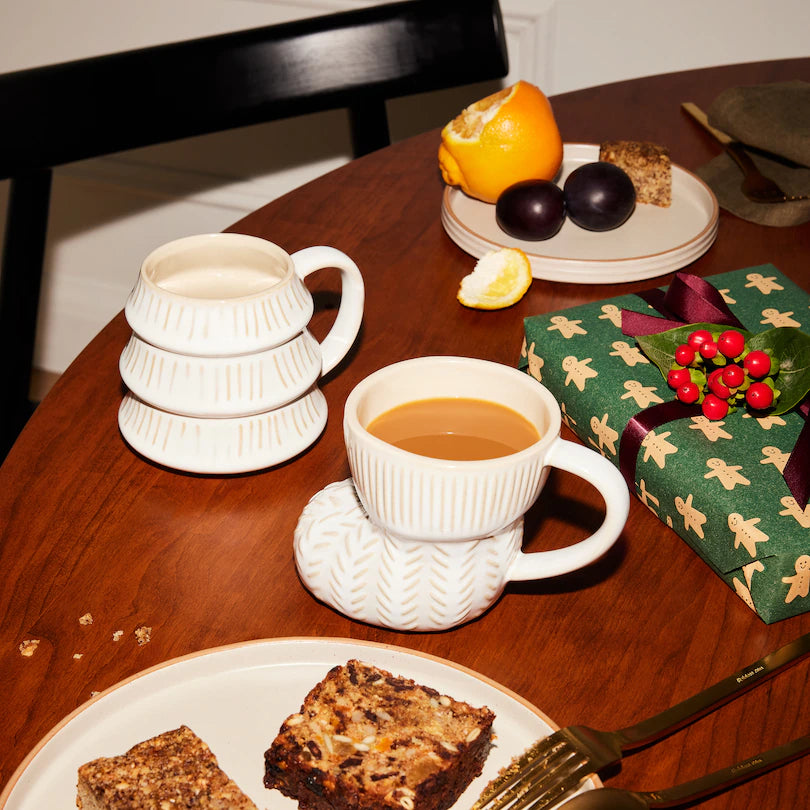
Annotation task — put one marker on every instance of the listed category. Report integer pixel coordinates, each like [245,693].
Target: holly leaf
[660,348]
[792,349]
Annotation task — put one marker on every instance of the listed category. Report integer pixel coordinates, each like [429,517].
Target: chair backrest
[353,59]
[91,107]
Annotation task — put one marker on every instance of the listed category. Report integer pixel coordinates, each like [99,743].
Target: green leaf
[789,346]
[660,348]
[792,349]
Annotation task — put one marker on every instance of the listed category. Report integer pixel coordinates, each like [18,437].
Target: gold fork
[555,766]
[755,185]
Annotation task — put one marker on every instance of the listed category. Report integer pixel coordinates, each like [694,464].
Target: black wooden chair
[91,107]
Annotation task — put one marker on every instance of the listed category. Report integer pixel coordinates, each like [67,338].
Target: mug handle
[596,469]
[352,296]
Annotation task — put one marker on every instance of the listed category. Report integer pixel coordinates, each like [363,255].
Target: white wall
[108,213]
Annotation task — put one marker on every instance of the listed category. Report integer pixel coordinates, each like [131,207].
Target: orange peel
[499,279]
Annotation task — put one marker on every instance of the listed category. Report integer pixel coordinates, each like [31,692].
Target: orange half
[500,140]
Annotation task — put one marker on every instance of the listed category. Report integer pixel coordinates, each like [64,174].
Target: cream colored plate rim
[236,697]
[654,241]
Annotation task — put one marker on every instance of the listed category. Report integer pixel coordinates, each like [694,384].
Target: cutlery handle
[703,120]
[728,777]
[714,697]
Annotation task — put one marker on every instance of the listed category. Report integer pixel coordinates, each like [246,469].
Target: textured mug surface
[226,445]
[221,386]
[226,294]
[424,498]
[373,576]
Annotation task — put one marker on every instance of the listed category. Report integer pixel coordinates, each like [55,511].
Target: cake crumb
[77,656]
[94,693]
[143,634]
[28,647]
[117,634]
[86,619]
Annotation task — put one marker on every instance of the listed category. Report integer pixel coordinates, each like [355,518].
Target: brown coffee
[455,428]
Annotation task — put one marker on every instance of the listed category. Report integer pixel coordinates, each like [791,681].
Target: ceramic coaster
[373,576]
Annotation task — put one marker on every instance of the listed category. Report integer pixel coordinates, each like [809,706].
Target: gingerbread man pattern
[565,327]
[776,318]
[605,434]
[792,509]
[646,497]
[744,591]
[729,476]
[693,518]
[746,533]
[773,455]
[657,448]
[578,371]
[712,430]
[643,395]
[765,284]
[566,417]
[613,314]
[766,422]
[630,354]
[536,364]
[800,583]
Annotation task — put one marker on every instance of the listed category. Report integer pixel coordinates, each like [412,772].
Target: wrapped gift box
[718,484]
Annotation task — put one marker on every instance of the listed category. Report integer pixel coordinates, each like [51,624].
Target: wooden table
[206,560]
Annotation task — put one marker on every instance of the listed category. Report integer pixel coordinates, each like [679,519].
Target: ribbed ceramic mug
[217,387]
[228,294]
[421,498]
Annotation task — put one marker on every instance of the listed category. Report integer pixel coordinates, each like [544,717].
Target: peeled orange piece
[499,279]
[500,140]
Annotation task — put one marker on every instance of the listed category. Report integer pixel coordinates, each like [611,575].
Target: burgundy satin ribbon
[691,299]
[797,469]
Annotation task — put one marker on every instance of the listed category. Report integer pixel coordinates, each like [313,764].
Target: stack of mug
[221,369]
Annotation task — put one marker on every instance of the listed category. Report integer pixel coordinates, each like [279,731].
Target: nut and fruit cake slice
[368,740]
[174,769]
[647,164]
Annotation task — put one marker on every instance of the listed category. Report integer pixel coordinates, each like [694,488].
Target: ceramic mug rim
[353,424]
[265,246]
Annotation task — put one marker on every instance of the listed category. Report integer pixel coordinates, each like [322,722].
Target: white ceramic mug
[226,294]
[421,498]
[243,385]
[226,445]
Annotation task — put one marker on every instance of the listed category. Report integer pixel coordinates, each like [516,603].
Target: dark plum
[599,196]
[531,210]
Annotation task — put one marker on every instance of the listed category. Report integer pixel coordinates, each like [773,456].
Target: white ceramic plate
[654,241]
[236,698]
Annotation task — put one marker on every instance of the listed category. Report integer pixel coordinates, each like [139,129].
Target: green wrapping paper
[718,484]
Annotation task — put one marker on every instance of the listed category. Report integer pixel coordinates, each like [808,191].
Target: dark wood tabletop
[89,526]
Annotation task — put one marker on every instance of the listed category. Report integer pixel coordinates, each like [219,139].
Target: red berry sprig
[718,371]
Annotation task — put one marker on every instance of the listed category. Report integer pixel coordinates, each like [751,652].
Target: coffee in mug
[455,428]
